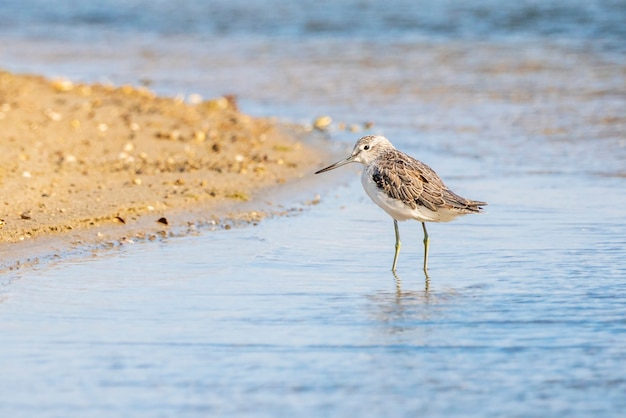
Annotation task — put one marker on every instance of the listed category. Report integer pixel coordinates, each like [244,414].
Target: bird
[405,188]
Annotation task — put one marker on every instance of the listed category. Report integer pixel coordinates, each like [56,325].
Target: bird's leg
[426,244]
[398,245]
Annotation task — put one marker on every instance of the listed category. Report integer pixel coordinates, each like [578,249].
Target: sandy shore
[77,158]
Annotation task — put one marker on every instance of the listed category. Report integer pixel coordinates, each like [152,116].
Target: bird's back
[407,188]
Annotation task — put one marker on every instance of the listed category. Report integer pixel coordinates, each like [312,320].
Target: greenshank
[405,188]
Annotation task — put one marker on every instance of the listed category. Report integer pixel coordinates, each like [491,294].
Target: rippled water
[524,314]
[302,316]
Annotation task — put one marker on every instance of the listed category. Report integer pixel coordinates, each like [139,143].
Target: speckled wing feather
[416,184]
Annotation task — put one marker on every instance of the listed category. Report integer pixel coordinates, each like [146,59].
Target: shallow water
[257,321]
[524,313]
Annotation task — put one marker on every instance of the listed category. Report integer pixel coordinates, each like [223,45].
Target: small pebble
[322,123]
[52,115]
[194,99]
[200,136]
[62,85]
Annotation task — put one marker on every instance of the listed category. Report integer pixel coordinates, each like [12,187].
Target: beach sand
[76,158]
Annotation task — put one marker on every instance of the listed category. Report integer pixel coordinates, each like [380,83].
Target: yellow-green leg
[398,245]
[426,244]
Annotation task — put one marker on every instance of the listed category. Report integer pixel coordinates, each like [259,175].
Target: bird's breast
[396,208]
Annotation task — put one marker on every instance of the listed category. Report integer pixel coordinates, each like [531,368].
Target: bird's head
[366,150]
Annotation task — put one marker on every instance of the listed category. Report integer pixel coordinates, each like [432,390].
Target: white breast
[400,211]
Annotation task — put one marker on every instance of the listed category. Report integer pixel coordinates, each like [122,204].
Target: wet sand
[93,162]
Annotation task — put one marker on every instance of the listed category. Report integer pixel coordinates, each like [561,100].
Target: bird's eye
[366,147]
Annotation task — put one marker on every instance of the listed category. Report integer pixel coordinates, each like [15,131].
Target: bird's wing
[413,182]
[416,184]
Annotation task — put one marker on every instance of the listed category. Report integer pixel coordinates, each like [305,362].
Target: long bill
[337,164]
